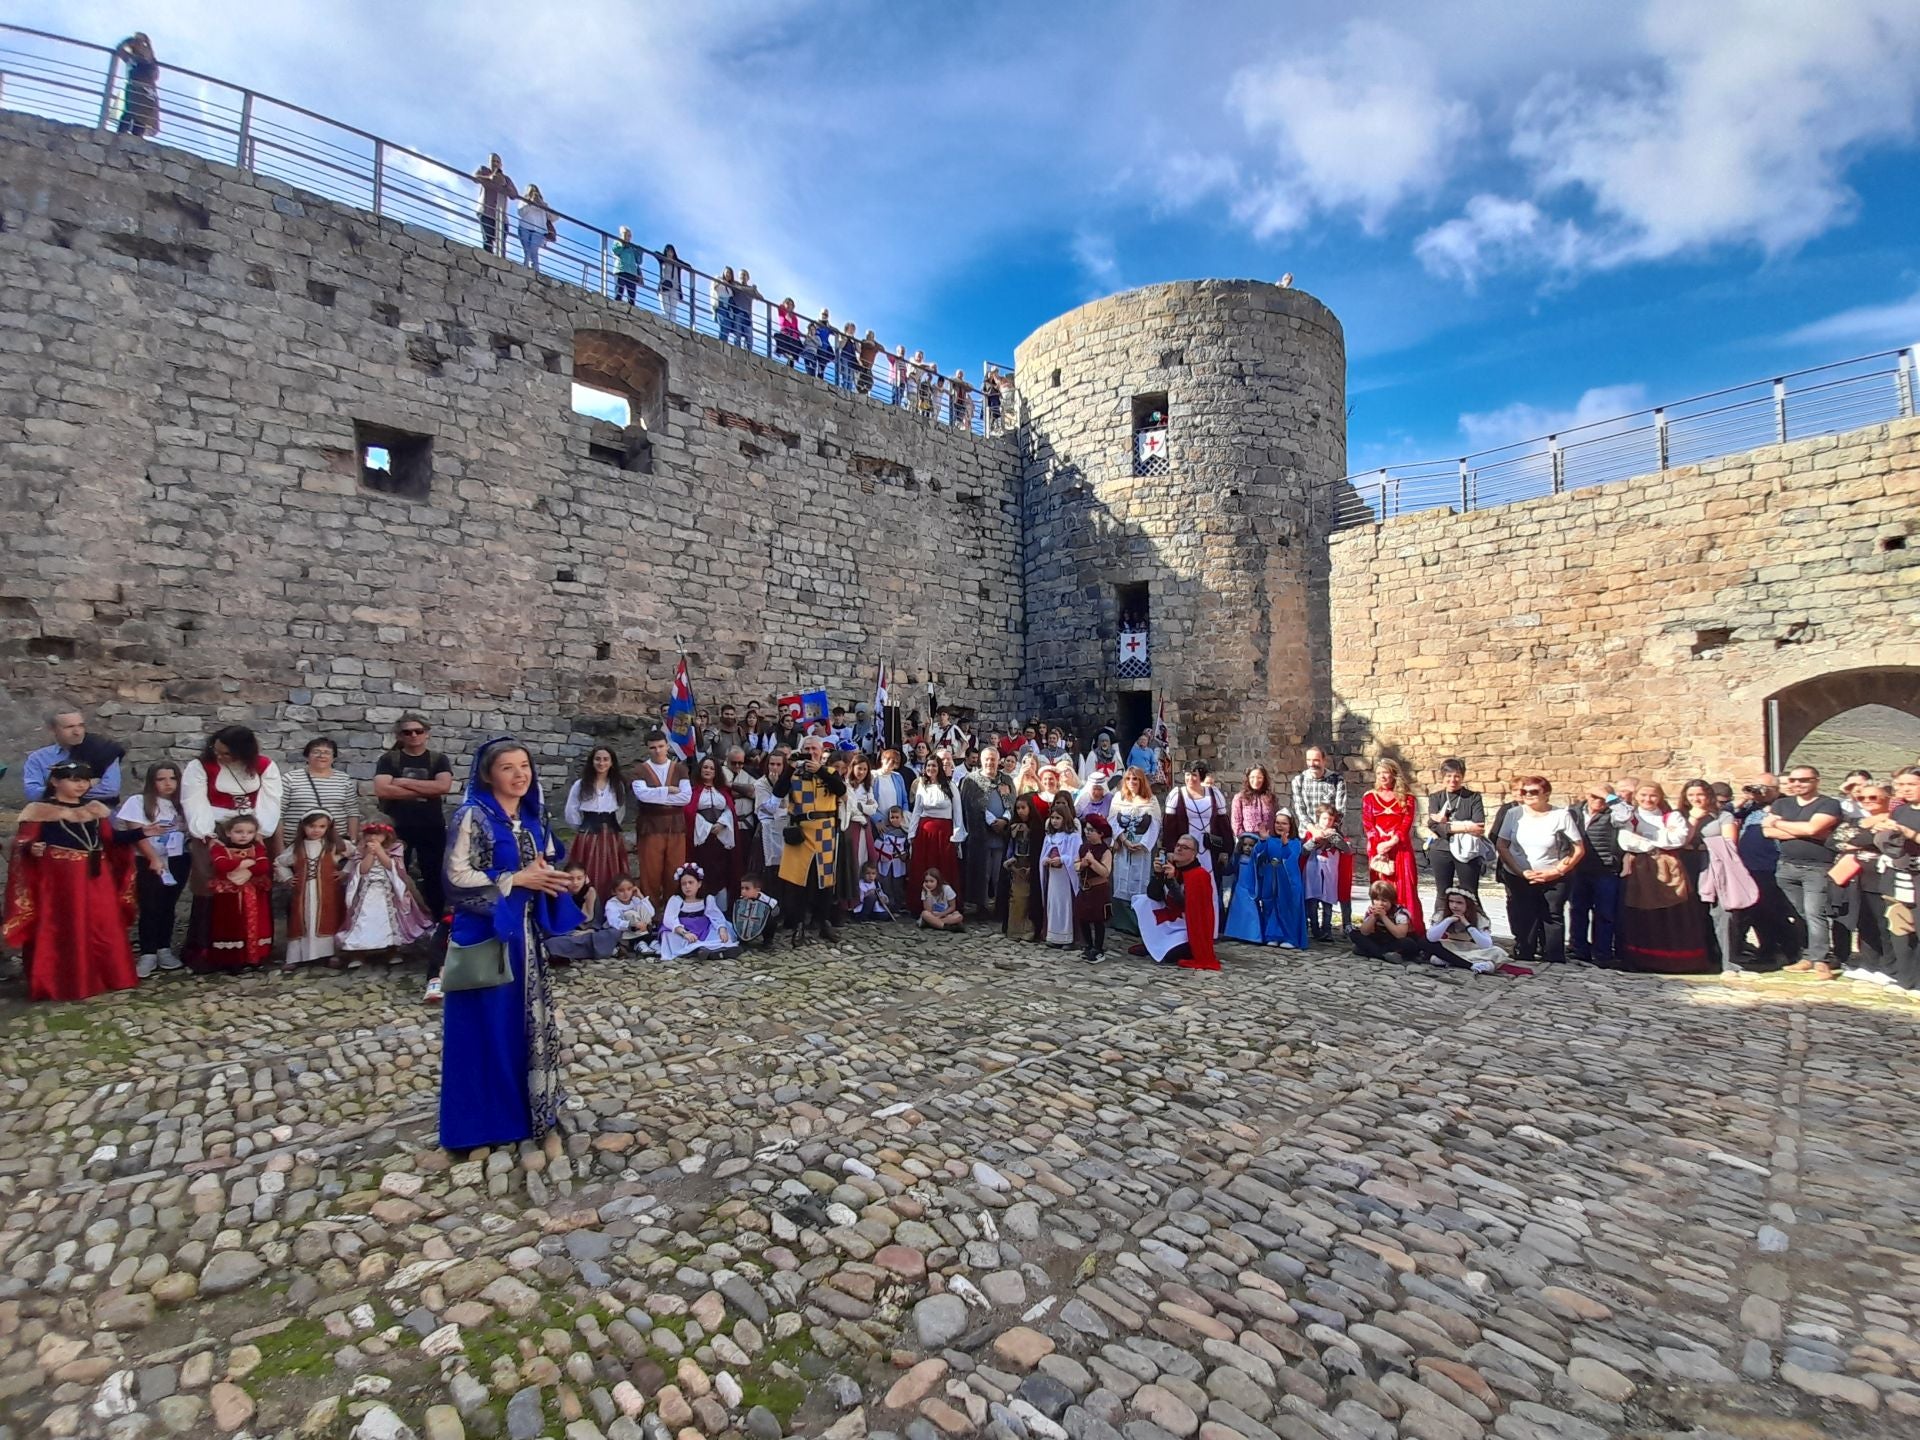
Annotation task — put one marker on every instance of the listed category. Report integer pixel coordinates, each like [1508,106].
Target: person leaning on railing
[140,108]
[626,267]
[786,333]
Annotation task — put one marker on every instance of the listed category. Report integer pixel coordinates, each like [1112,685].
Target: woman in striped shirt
[316,785]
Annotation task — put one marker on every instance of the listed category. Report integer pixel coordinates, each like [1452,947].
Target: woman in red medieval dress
[70,893]
[1386,818]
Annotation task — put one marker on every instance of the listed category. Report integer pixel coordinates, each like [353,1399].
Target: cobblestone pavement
[939,1186]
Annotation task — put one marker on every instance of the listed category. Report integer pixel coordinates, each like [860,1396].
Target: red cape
[1200,914]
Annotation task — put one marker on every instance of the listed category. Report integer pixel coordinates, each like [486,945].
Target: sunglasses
[413,730]
[1532,790]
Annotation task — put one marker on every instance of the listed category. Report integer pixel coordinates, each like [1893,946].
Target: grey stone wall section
[1228,541]
[184,351]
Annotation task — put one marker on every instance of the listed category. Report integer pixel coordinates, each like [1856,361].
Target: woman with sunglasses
[1540,845]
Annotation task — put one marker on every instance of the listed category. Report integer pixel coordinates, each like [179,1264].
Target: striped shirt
[337,794]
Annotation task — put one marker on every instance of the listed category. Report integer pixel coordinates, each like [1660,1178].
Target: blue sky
[1522,214]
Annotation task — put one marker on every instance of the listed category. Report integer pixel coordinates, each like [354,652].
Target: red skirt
[933,850]
[70,921]
[603,850]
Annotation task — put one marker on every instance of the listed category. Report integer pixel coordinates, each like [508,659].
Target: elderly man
[739,783]
[812,794]
[1178,914]
[986,804]
[1314,787]
[71,742]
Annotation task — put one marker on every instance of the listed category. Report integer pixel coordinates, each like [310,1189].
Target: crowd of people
[755,825]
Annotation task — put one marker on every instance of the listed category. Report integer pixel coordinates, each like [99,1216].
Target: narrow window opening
[1056,380]
[1133,605]
[1711,642]
[1893,542]
[1150,455]
[563,576]
[602,650]
[394,462]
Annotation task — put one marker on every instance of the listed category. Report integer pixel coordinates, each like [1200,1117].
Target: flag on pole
[1163,738]
[880,695]
[680,712]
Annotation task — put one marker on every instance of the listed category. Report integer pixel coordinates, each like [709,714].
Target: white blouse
[1647,831]
[260,793]
[930,802]
[581,803]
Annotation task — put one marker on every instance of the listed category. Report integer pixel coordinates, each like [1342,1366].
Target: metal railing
[1825,400]
[60,78]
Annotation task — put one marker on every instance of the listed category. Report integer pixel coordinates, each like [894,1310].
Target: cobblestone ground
[946,1186]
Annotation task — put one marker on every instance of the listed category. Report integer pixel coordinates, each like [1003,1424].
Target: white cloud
[1498,233]
[1363,127]
[1736,128]
[1099,263]
[1896,323]
[1511,424]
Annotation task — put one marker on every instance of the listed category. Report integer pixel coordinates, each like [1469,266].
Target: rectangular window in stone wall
[1150,454]
[394,462]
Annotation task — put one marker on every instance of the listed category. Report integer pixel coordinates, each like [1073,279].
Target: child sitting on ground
[631,914]
[753,914]
[870,901]
[1386,931]
[938,910]
[1460,936]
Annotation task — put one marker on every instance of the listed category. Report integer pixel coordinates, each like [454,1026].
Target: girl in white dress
[1059,875]
[693,924]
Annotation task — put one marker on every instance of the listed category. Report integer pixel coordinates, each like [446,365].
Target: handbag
[1844,871]
[476,967]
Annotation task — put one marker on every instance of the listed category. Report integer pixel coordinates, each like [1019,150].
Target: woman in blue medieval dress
[500,1055]
[1269,897]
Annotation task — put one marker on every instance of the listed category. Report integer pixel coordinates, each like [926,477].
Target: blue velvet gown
[1283,892]
[1244,919]
[499,1066]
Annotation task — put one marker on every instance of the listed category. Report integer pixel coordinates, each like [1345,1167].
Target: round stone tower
[1180,444]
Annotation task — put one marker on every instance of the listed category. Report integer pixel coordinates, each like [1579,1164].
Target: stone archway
[1793,712]
[622,365]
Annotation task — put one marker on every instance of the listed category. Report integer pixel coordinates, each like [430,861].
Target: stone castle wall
[1639,627]
[188,541]
[1254,380]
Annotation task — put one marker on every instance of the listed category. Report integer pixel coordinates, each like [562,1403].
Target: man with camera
[812,790]
[1178,914]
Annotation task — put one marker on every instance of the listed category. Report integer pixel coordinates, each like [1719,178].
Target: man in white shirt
[663,791]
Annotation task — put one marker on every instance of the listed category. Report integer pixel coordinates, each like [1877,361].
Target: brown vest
[660,819]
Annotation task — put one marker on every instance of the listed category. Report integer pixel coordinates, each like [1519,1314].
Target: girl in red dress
[241,919]
[1386,817]
[70,893]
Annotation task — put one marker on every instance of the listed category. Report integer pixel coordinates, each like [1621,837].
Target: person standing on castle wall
[821,346]
[626,267]
[960,401]
[990,395]
[846,361]
[140,109]
[230,777]
[663,791]
[786,333]
[676,283]
[72,742]
[897,372]
[746,297]
[410,782]
[1386,819]
[497,192]
[537,228]
[870,352]
[720,297]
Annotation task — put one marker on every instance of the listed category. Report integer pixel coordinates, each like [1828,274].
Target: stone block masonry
[1641,627]
[185,353]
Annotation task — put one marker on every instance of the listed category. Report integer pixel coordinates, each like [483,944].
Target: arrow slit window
[1132,661]
[1150,446]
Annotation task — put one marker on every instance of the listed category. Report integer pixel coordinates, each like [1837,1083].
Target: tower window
[1133,657]
[394,462]
[1150,452]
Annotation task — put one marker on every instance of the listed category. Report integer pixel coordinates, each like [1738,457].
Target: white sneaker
[170,961]
[146,965]
[433,995]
